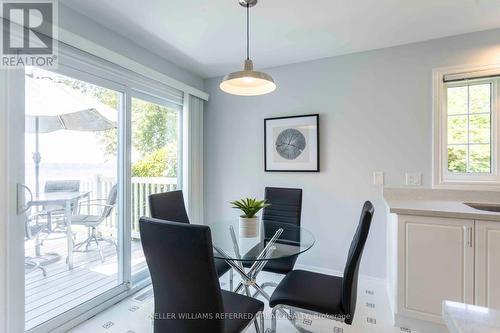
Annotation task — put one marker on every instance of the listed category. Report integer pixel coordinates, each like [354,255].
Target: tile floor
[133,315]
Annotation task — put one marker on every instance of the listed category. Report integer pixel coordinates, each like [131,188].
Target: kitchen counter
[441,203]
[464,318]
[439,249]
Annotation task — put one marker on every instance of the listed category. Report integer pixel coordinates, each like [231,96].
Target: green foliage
[160,163]
[469,128]
[109,141]
[249,206]
[154,132]
[480,158]
[457,158]
[153,126]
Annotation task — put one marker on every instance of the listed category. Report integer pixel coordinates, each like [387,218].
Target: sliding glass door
[73,249]
[155,162]
[88,143]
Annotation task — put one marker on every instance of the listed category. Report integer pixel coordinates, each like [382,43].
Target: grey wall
[375,115]
[95,32]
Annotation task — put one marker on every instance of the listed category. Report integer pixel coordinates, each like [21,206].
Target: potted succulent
[249,222]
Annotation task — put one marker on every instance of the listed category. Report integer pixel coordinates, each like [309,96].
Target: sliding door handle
[22,207]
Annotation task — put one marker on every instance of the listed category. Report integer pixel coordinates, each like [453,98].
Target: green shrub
[160,163]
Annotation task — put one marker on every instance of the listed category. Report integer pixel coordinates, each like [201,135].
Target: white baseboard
[335,272]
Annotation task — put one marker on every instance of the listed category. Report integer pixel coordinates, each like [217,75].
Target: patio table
[66,200]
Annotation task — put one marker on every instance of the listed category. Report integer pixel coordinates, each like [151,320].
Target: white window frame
[442,178]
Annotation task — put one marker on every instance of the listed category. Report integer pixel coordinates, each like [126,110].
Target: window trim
[441,177]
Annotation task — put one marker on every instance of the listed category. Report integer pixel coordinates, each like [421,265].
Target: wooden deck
[62,289]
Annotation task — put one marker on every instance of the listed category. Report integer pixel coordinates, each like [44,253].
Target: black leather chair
[285,208]
[308,292]
[170,206]
[186,289]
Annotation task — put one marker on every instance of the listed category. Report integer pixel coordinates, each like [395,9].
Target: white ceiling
[207,37]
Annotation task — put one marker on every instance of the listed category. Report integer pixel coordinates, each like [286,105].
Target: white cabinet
[435,263]
[487,286]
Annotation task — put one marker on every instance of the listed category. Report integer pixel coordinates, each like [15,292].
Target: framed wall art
[292,143]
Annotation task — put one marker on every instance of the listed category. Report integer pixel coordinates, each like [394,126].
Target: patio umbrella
[52,106]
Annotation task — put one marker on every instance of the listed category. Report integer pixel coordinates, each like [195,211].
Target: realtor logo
[28,33]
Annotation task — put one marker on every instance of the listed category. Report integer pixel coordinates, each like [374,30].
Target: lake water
[69,171]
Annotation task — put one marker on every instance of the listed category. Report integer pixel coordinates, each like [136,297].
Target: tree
[469,128]
[153,126]
[154,131]
[160,163]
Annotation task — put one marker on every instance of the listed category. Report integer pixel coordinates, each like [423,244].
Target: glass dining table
[272,241]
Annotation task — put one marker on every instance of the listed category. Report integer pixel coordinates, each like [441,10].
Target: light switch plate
[413,179]
[378,178]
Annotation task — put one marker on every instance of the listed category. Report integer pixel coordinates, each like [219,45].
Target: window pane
[469,131]
[154,164]
[479,98]
[457,129]
[479,128]
[72,171]
[457,100]
[480,158]
[457,158]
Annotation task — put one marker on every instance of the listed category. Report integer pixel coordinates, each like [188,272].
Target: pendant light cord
[248,33]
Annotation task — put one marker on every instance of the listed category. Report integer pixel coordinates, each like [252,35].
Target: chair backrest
[286,205]
[62,186]
[350,279]
[285,208]
[168,206]
[181,263]
[29,228]
[110,201]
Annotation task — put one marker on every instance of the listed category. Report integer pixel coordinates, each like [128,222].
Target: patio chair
[32,230]
[92,222]
[55,215]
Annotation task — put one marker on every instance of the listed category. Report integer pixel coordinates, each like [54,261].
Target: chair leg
[110,241]
[256,324]
[94,238]
[37,246]
[273,320]
[44,271]
[33,266]
[265,285]
[293,320]
[231,279]
[269,284]
[98,246]
[259,322]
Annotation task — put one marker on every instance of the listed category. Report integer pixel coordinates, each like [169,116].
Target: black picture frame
[315,162]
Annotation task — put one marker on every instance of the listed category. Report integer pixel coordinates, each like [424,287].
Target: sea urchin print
[290,143]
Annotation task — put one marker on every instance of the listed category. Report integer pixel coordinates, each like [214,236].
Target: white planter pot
[249,227]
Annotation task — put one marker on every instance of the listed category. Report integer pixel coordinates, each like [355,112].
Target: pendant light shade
[248,82]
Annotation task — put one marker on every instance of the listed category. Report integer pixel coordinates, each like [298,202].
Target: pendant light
[248,82]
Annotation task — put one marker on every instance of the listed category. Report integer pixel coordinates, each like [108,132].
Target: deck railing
[141,188]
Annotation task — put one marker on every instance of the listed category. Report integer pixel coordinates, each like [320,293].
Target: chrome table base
[249,278]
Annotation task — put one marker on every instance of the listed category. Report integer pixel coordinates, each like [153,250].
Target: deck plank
[63,289]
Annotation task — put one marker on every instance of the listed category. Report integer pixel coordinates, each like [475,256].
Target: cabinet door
[436,264]
[488,264]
